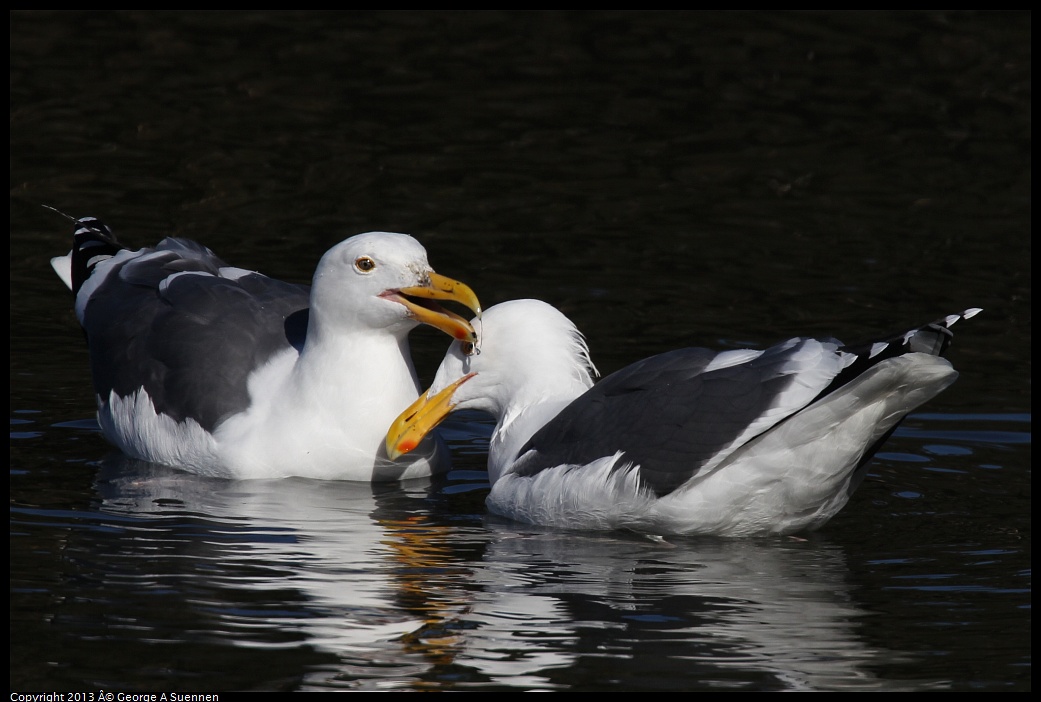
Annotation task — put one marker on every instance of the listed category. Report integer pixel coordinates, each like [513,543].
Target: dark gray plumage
[664,413]
[668,416]
[190,340]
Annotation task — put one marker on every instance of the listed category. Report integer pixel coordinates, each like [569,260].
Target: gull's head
[526,353]
[382,280]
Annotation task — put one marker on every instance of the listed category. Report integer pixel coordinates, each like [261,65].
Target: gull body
[693,441]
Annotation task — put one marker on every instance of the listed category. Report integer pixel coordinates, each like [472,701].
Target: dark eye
[364,264]
[468,348]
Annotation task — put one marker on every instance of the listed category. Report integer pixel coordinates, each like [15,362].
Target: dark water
[667,179]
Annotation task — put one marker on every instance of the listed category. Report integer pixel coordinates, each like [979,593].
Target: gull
[222,371]
[693,441]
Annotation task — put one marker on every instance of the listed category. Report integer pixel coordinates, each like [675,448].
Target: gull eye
[364,264]
[468,348]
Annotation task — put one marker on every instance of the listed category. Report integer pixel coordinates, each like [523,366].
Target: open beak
[420,419]
[421,305]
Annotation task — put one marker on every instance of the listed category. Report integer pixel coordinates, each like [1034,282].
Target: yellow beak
[439,287]
[420,419]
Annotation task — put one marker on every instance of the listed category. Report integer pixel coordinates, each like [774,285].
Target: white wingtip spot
[878,347]
[62,265]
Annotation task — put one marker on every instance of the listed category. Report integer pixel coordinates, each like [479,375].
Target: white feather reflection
[289,562]
[403,601]
[626,611]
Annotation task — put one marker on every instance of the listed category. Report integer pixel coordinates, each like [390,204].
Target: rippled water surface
[667,179]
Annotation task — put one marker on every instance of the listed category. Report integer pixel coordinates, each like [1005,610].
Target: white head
[527,353]
[382,280]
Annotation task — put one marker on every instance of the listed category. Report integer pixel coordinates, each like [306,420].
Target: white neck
[350,386]
[513,432]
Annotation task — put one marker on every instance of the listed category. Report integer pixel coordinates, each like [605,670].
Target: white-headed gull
[225,372]
[736,443]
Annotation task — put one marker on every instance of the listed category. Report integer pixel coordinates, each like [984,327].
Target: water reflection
[391,597]
[767,615]
[289,564]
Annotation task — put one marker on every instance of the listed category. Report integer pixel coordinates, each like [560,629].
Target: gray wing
[179,322]
[674,413]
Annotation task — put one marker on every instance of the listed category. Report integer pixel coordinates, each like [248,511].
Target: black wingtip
[933,338]
[92,243]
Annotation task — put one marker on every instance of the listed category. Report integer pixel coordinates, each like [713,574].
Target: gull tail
[933,339]
[92,243]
